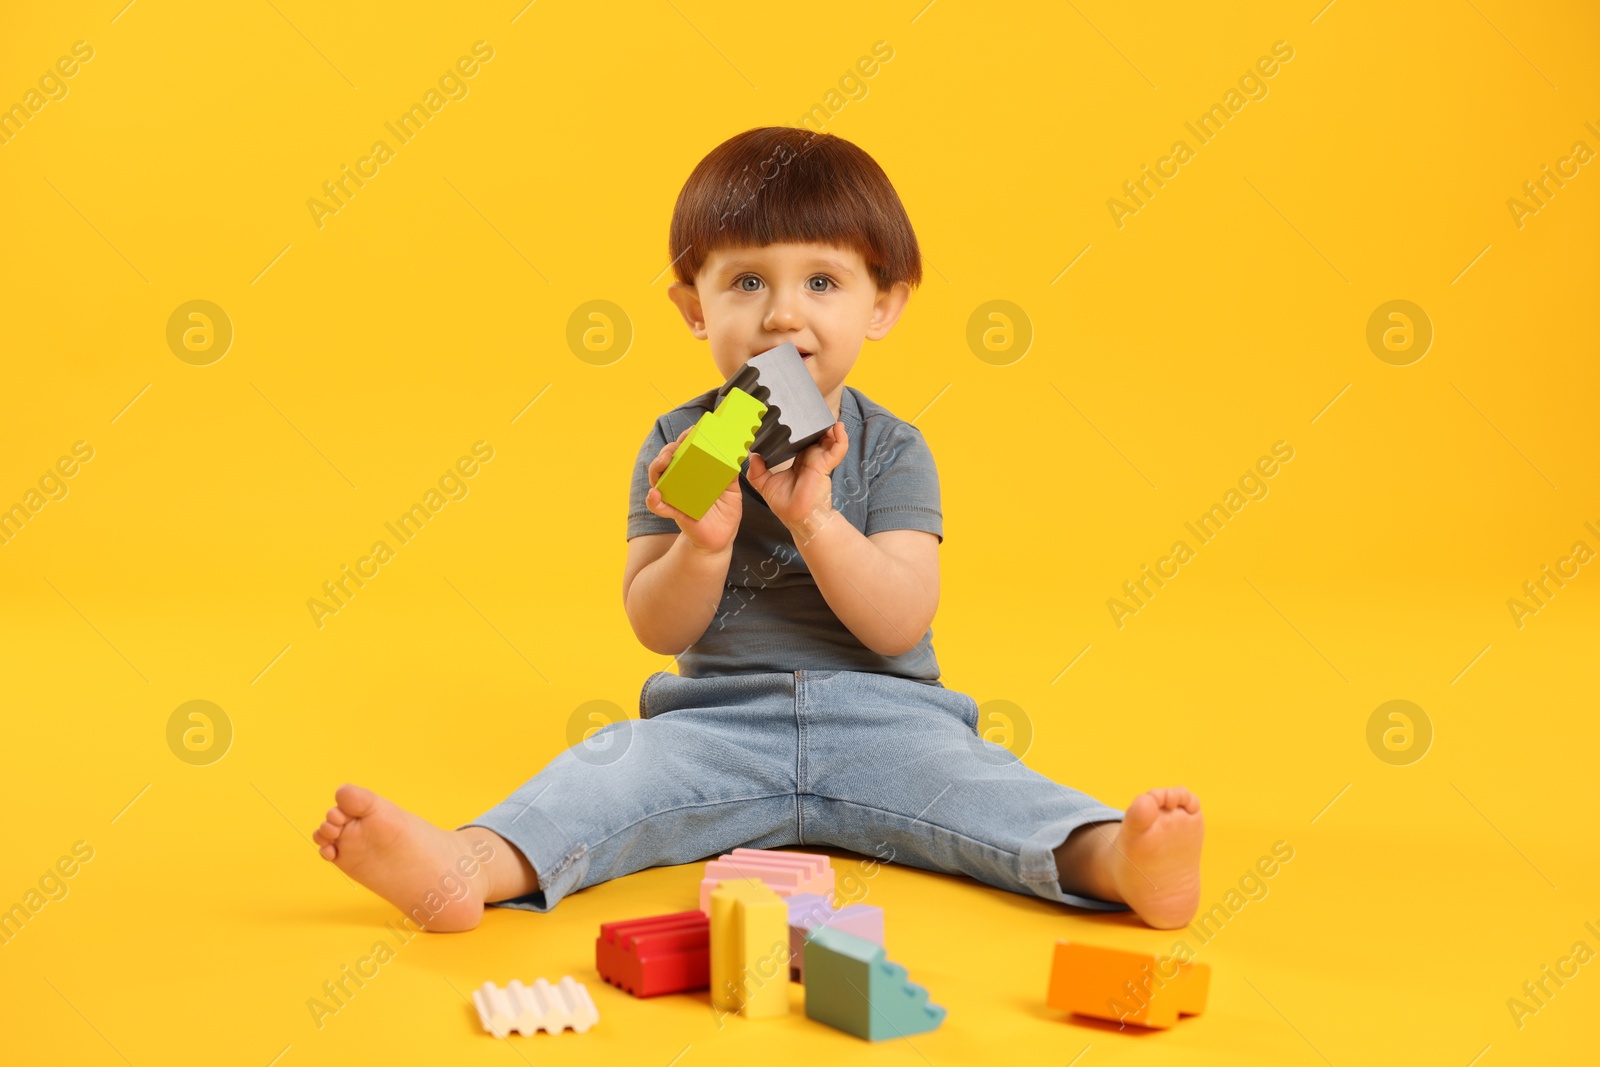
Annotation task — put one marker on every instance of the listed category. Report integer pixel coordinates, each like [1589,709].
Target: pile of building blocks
[764,913]
[710,457]
[1139,988]
[808,911]
[786,873]
[766,917]
[542,1006]
[797,414]
[852,986]
[649,957]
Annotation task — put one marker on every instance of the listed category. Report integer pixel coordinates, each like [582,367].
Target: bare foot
[440,878]
[1156,861]
[1151,862]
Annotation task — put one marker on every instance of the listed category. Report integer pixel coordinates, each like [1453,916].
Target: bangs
[781,184]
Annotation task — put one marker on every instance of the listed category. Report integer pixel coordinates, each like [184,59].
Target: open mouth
[804,354]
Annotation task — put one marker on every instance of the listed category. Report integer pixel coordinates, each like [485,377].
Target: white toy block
[542,1006]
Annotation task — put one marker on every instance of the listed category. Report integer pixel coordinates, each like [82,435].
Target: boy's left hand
[801,496]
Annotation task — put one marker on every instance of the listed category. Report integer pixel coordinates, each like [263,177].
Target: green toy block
[710,457]
[852,986]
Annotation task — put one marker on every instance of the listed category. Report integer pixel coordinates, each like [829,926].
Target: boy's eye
[811,283]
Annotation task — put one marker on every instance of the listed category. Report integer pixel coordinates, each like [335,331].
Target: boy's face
[821,298]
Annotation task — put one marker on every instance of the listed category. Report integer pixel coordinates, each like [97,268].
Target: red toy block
[661,954]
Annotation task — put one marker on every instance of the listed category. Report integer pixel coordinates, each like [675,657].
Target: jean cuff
[1039,861]
[559,862]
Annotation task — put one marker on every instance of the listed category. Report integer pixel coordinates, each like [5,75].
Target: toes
[327,834]
[355,800]
[328,852]
[337,816]
[1176,797]
[1141,814]
[1172,798]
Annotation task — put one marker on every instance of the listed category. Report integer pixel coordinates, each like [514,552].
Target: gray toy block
[797,415]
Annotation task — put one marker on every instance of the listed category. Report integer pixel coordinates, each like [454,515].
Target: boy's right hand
[713,532]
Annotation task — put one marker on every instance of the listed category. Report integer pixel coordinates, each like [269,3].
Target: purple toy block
[863,920]
[807,911]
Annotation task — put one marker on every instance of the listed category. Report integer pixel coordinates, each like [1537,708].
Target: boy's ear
[688,300]
[886,310]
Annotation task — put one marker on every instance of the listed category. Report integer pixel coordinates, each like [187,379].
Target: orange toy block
[1126,987]
[785,873]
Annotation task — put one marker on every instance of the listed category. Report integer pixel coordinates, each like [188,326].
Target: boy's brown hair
[786,184]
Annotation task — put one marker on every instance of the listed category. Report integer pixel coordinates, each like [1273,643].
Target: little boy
[807,709]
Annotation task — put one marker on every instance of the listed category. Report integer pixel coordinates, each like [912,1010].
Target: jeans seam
[800,757]
[644,695]
[933,825]
[684,807]
[562,865]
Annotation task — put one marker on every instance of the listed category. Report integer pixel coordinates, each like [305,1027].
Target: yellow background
[427,314]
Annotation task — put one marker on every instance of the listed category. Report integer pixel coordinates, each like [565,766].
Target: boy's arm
[884,588]
[671,589]
[672,583]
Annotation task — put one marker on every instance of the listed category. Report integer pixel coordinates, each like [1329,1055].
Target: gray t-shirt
[773,617]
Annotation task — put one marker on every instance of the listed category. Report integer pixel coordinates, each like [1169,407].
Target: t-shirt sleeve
[641,520]
[902,484]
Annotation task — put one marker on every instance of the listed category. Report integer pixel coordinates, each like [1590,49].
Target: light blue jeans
[887,767]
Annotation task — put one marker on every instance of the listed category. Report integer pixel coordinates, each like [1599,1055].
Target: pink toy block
[785,873]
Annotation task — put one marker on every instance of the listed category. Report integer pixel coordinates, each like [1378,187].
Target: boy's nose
[783,313]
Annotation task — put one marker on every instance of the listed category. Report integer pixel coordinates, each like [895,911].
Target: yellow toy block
[749,949]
